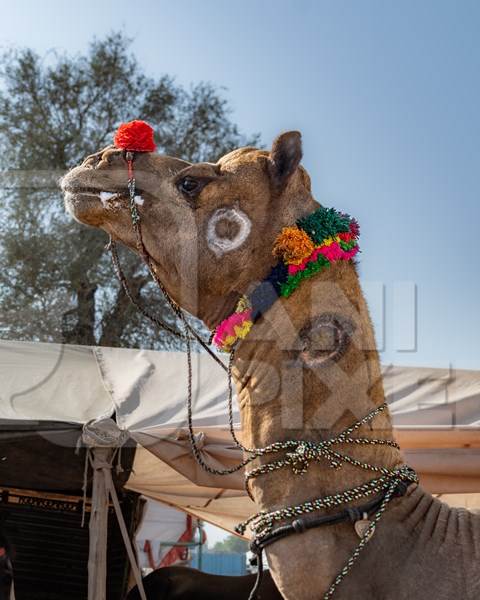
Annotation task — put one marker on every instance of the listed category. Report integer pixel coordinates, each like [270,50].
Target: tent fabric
[436,414]
[421,397]
[148,388]
[434,400]
[470,501]
[55,382]
[217,505]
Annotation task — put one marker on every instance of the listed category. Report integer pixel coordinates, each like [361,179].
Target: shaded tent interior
[41,500]
[51,547]
[52,394]
[43,456]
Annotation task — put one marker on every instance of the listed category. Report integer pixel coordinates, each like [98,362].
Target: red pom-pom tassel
[135,136]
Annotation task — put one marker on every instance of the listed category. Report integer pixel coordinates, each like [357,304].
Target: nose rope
[131,195]
[130,165]
[126,288]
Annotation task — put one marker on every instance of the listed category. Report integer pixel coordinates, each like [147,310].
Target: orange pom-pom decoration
[293,245]
[135,136]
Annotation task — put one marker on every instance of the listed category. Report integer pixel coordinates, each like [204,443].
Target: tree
[56,282]
[231,544]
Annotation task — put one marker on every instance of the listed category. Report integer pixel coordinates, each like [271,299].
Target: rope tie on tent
[103,441]
[95,434]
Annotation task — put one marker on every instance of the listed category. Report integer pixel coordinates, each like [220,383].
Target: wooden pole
[98,526]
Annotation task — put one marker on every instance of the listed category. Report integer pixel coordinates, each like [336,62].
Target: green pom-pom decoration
[294,281]
[324,223]
[346,246]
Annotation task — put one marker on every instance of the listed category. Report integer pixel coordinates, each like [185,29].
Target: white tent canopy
[436,414]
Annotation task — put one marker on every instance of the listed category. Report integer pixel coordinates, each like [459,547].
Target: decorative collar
[313,244]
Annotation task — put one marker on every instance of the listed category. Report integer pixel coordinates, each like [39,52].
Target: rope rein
[111,246]
[298,454]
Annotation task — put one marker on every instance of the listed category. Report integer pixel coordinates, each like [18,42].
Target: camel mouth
[72,188]
[82,190]
[89,204]
[108,199]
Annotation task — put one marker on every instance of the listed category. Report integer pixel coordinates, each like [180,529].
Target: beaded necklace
[312,245]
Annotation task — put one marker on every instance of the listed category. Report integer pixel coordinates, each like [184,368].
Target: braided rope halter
[298,454]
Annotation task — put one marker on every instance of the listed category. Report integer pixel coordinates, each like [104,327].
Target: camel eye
[188,185]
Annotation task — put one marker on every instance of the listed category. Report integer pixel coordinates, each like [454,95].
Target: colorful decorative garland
[324,237]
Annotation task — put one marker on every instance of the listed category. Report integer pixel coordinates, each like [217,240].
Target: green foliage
[231,544]
[56,283]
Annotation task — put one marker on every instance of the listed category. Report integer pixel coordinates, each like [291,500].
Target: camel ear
[285,157]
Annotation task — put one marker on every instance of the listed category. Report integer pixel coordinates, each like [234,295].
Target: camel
[307,370]
[183,583]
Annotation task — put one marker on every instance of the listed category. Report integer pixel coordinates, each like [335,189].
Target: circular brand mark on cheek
[324,340]
[227,229]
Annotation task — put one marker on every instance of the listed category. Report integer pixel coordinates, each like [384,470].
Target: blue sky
[387,96]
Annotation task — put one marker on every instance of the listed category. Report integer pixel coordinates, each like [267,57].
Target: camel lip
[81,190]
[72,188]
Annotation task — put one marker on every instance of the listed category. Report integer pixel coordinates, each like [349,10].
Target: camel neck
[309,370]
[310,366]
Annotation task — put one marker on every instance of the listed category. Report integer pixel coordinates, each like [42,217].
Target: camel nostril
[92,161]
[109,157]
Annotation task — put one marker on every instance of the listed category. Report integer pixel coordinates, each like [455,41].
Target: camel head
[208,227]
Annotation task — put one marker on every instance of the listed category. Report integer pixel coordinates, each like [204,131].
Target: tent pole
[98,526]
[123,529]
